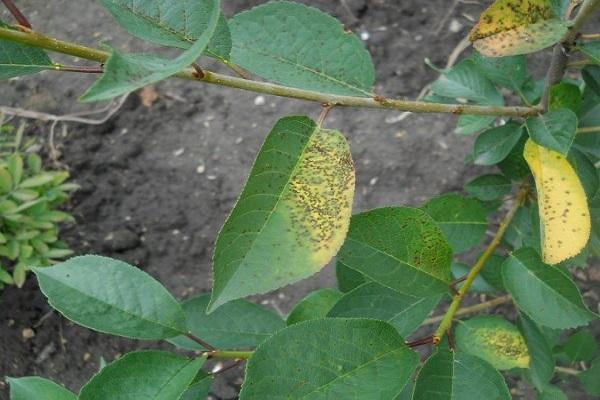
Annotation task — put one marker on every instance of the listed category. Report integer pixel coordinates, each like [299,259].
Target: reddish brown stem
[227,368]
[200,342]
[85,70]
[14,10]
[421,342]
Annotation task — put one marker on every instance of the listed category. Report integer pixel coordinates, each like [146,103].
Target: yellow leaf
[512,27]
[564,213]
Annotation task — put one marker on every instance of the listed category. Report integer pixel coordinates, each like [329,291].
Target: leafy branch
[33,38]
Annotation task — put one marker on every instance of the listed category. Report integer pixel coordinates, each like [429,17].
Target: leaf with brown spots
[292,216]
[513,27]
[564,213]
[495,340]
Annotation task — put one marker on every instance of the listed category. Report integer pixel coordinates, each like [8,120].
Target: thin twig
[568,371]
[420,342]
[48,43]
[471,310]
[14,10]
[110,110]
[324,113]
[201,342]
[589,129]
[481,262]
[589,36]
[227,368]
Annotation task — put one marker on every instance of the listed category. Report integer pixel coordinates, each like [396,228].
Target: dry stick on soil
[589,36]
[14,10]
[452,310]
[38,40]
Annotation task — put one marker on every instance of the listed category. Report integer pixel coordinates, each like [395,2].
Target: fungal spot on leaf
[513,27]
[564,193]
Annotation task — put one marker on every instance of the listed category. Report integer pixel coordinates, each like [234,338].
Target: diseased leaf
[591,50]
[494,340]
[495,144]
[18,59]
[33,387]
[541,368]
[464,81]
[400,248]
[171,23]
[489,187]
[544,292]
[314,306]
[354,359]
[514,27]
[125,73]
[554,130]
[113,297]
[458,376]
[564,215]
[143,375]
[463,220]
[236,325]
[302,47]
[292,216]
[372,300]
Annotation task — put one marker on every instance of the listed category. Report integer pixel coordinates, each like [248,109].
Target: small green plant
[29,215]
[395,265]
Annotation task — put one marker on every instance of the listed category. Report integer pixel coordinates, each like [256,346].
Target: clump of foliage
[30,197]
[394,264]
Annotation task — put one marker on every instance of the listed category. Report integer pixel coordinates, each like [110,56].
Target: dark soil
[158,182]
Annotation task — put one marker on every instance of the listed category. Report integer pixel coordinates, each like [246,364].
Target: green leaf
[36,181]
[14,164]
[565,95]
[479,284]
[292,216]
[470,124]
[493,339]
[348,278]
[514,165]
[463,220]
[551,392]
[591,50]
[331,358]
[492,273]
[514,27]
[125,73]
[495,144]
[375,301]
[113,297]
[18,59]
[5,277]
[314,306]
[458,376]
[587,172]
[581,346]
[544,292]
[302,47]
[509,72]
[33,387]
[143,375]
[560,7]
[589,378]
[236,325]
[172,23]
[6,182]
[400,248]
[489,187]
[199,388]
[541,368]
[464,81]
[523,230]
[554,130]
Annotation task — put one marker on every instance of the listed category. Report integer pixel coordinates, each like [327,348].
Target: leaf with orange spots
[564,214]
[513,27]
[293,215]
